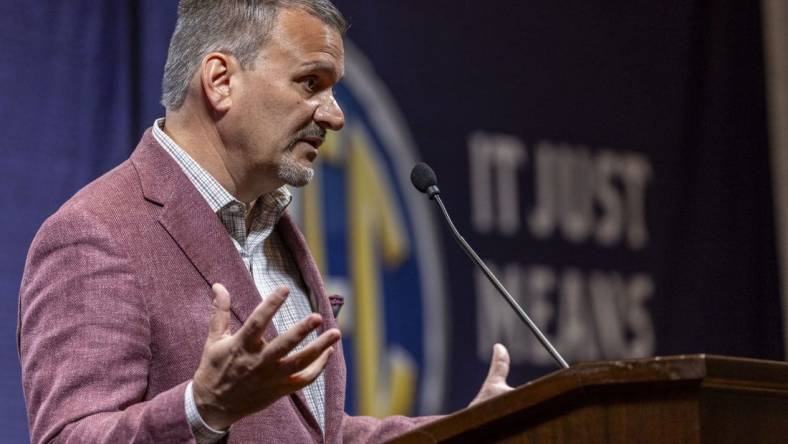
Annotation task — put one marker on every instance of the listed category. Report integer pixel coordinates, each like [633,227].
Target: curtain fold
[775,37]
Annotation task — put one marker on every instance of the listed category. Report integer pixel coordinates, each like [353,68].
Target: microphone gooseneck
[424,179]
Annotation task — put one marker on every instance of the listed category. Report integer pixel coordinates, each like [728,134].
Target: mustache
[312,130]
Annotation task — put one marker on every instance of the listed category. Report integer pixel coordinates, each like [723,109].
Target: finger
[303,358]
[220,318]
[311,372]
[251,332]
[285,342]
[499,366]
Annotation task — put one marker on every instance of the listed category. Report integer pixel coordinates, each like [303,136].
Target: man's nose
[329,115]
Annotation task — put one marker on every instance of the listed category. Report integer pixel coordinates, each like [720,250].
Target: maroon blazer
[114,309]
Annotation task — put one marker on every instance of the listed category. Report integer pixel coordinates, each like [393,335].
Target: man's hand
[495,383]
[241,374]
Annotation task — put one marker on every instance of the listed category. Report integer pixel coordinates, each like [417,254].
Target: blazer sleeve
[85,344]
[367,429]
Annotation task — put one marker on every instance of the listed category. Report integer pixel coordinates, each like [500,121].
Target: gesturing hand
[495,382]
[240,374]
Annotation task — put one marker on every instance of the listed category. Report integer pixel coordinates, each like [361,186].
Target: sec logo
[376,243]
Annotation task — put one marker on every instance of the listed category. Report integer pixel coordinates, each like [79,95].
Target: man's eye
[310,83]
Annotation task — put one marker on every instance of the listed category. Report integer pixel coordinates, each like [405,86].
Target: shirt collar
[217,197]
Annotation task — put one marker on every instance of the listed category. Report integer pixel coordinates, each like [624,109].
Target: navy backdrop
[609,158]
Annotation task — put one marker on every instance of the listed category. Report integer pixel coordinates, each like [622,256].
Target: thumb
[499,366]
[220,318]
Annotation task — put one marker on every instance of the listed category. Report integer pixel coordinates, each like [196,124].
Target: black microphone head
[423,177]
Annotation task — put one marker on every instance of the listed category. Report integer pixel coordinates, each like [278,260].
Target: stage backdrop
[608,159]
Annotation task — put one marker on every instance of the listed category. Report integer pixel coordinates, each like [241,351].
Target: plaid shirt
[266,258]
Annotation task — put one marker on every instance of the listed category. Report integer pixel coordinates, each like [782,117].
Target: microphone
[424,179]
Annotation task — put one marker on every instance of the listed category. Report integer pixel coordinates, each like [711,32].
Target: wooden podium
[681,399]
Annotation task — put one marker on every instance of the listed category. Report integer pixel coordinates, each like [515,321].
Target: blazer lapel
[335,368]
[194,227]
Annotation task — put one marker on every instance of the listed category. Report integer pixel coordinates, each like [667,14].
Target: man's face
[283,105]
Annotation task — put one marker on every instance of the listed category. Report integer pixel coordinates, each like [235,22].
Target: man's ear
[216,72]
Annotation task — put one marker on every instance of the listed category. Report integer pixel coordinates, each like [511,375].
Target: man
[186,237]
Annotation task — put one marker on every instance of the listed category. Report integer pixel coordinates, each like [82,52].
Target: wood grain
[681,399]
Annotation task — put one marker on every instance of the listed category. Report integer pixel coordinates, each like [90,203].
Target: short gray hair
[236,27]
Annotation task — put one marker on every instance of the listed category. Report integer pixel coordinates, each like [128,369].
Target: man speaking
[190,237]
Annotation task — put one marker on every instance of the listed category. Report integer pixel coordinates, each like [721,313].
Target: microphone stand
[433,194]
